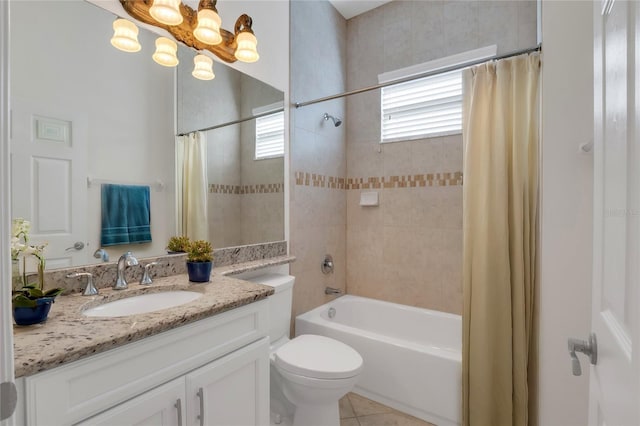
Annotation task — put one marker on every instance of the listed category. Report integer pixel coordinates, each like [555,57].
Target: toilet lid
[318,357]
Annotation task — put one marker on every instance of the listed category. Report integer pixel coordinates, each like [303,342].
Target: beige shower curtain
[500,204]
[191,186]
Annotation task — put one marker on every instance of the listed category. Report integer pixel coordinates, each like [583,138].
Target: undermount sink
[142,304]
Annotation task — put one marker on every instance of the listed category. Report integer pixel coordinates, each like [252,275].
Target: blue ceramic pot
[36,315]
[199,272]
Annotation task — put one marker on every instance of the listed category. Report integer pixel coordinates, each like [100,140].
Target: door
[231,391]
[162,406]
[614,387]
[49,178]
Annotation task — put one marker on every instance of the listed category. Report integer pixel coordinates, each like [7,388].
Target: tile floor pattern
[356,410]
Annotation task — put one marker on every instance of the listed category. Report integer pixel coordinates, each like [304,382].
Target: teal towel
[126,215]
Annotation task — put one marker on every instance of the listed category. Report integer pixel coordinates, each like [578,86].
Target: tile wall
[409,248]
[318,212]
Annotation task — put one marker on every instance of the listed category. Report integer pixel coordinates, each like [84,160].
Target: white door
[615,380]
[162,406]
[232,391]
[49,172]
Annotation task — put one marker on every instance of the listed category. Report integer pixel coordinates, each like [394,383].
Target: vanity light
[166,12]
[208,28]
[203,69]
[247,42]
[125,36]
[166,50]
[201,30]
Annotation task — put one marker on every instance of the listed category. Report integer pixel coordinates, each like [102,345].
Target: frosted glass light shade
[246,51]
[208,28]
[125,36]
[165,53]
[166,11]
[203,69]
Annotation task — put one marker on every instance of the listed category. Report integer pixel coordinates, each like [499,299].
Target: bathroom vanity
[204,362]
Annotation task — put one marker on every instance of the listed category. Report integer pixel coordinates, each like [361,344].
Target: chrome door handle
[79,245]
[201,415]
[587,347]
[9,399]
[178,406]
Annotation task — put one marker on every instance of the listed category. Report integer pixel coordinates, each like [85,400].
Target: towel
[126,215]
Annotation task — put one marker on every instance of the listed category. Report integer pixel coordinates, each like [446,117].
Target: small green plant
[178,244]
[200,251]
[27,297]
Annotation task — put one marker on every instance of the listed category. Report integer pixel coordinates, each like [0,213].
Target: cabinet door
[162,406]
[233,390]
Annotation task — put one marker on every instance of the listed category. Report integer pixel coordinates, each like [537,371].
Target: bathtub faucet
[331,290]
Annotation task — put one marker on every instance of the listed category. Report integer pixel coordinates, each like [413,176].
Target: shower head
[336,120]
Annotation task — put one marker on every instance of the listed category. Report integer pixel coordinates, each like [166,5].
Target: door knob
[587,347]
[79,245]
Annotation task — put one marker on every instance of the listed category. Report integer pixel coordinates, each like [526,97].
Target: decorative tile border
[268,188]
[384,182]
[318,180]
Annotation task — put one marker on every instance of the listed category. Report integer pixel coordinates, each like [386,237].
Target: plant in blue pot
[199,261]
[30,302]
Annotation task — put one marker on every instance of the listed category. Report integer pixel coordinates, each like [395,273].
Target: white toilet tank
[279,303]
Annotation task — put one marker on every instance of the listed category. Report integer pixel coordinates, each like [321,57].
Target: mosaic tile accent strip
[318,180]
[266,188]
[384,182]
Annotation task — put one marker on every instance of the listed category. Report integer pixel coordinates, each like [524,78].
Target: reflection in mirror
[85,113]
[245,193]
[83,109]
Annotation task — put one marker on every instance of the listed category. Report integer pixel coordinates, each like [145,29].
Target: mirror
[85,113]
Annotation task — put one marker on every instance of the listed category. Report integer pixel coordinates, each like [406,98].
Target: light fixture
[125,36]
[203,68]
[165,53]
[198,30]
[246,40]
[208,28]
[166,11]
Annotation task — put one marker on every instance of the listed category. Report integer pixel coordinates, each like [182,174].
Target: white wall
[566,207]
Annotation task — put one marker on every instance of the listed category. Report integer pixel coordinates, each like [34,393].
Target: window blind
[425,107]
[270,136]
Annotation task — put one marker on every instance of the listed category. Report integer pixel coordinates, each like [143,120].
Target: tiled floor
[356,410]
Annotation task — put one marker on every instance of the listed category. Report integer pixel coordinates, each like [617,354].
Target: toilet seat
[318,357]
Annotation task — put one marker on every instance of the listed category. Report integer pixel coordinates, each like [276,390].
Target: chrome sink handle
[90,289]
[146,276]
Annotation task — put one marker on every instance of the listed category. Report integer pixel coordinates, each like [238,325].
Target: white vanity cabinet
[211,372]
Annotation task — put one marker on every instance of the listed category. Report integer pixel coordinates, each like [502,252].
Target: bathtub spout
[333,291]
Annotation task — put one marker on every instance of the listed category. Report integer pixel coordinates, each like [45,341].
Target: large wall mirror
[84,114]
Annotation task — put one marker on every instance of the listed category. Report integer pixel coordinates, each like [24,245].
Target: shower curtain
[500,212]
[191,186]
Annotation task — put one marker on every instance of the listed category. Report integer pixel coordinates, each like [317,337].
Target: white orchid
[20,247]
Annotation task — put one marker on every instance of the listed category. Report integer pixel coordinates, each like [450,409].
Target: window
[425,107]
[270,136]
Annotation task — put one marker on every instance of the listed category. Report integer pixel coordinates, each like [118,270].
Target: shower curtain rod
[238,121]
[421,75]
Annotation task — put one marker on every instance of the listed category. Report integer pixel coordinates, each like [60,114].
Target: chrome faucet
[333,291]
[127,259]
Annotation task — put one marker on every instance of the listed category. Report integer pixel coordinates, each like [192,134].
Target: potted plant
[199,261]
[30,303]
[178,244]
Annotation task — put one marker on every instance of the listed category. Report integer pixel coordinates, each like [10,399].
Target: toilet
[309,373]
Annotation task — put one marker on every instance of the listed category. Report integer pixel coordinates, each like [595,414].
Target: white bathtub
[412,356]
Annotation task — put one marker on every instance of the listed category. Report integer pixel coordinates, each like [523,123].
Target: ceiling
[351,8]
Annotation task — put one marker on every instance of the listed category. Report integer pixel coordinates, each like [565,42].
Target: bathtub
[412,356]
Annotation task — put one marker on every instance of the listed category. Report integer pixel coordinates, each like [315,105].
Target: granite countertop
[67,335]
